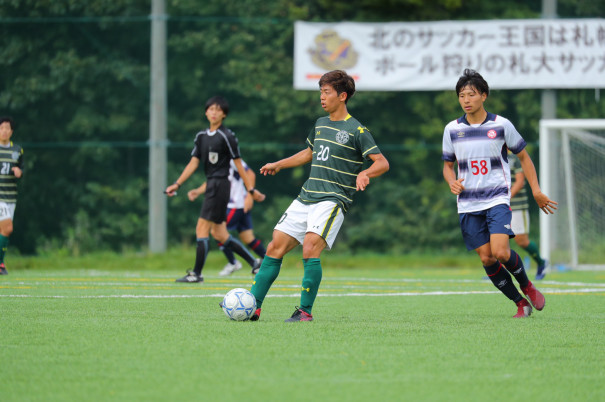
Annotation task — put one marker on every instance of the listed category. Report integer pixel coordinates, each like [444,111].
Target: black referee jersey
[215,150]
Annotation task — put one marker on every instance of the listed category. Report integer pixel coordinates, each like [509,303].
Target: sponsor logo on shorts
[283,217]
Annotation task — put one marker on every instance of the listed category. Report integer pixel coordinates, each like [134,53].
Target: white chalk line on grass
[352,294]
[236,282]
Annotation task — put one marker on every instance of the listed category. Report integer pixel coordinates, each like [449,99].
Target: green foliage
[75,76]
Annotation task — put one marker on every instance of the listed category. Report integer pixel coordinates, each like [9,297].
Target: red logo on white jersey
[492,134]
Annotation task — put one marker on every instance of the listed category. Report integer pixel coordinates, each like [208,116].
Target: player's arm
[196,192]
[545,203]
[295,160]
[256,195]
[249,201]
[187,172]
[18,169]
[449,175]
[379,166]
[519,183]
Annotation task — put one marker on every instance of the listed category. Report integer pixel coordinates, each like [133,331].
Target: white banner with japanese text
[427,56]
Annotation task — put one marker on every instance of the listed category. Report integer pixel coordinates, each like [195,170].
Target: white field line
[325,282]
[352,294]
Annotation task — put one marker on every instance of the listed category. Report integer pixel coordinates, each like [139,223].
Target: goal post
[572,173]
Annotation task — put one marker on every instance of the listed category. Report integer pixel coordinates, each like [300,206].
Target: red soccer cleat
[300,315]
[536,298]
[523,309]
[256,315]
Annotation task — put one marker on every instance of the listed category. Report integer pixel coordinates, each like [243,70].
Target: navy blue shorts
[238,220]
[478,226]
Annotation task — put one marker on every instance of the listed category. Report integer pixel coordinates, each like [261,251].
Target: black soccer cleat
[3,270]
[191,277]
[256,315]
[300,315]
[257,263]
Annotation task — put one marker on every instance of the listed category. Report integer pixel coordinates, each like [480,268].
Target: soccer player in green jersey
[337,147]
[520,214]
[11,169]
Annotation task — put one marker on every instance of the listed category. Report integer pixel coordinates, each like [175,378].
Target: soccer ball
[239,304]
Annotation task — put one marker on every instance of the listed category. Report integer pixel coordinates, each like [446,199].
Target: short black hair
[8,119]
[340,81]
[220,102]
[473,79]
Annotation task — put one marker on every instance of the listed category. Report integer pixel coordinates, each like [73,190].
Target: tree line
[75,77]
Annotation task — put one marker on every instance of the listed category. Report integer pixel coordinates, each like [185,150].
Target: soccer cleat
[257,264]
[536,298]
[230,268]
[256,315]
[300,315]
[191,277]
[540,274]
[523,309]
[3,270]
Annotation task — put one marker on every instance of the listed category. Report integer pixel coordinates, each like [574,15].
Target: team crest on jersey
[15,155]
[342,137]
[492,134]
[460,134]
[213,157]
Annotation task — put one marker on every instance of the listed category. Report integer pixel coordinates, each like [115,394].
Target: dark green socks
[3,246]
[268,272]
[532,250]
[310,283]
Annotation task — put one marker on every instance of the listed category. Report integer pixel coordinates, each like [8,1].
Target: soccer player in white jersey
[479,142]
[336,147]
[239,216]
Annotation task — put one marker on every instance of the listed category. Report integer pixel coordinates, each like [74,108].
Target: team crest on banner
[342,137]
[333,52]
[213,157]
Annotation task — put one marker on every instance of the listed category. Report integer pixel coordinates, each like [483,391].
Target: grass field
[112,327]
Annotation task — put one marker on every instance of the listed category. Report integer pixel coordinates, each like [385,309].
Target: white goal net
[572,173]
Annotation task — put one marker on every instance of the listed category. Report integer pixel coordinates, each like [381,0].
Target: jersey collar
[489,117]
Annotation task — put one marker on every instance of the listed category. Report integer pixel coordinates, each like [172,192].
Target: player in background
[520,214]
[479,142]
[239,216]
[336,147]
[11,169]
[215,148]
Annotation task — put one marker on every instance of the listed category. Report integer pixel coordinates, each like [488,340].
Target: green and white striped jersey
[10,156]
[339,150]
[519,201]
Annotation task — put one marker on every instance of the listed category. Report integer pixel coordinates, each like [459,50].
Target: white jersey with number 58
[481,153]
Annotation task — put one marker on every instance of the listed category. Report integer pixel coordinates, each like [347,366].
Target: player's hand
[546,204]
[17,172]
[269,168]
[193,194]
[456,186]
[362,181]
[258,196]
[171,190]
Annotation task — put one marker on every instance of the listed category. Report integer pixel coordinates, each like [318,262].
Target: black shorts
[214,208]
